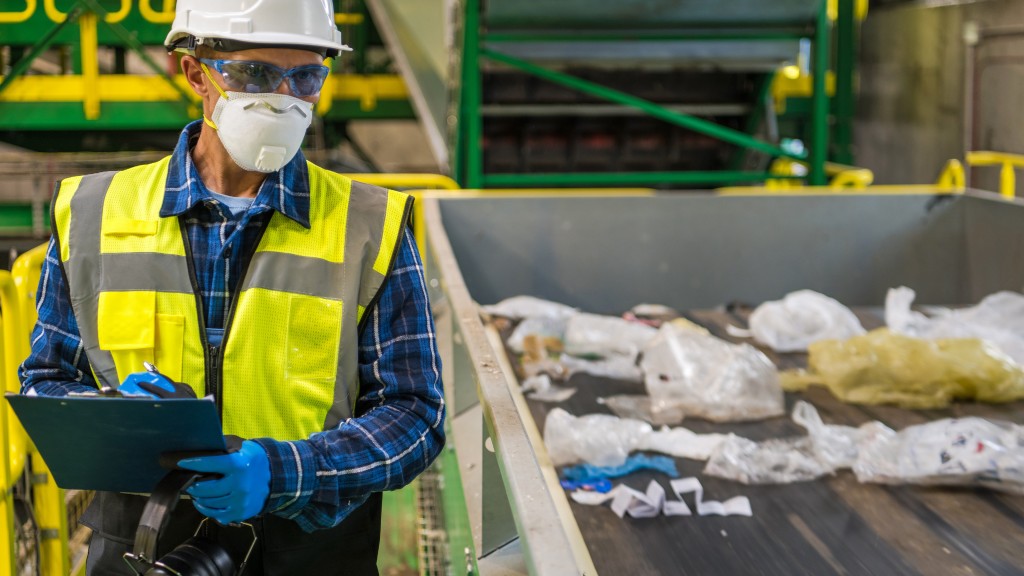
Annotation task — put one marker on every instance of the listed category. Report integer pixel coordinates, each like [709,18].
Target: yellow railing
[17,302]
[1008,163]
[950,181]
[842,176]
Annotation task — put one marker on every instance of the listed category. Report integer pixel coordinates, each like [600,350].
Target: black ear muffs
[197,556]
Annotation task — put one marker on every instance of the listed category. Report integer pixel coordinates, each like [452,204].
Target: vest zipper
[210,352]
[215,354]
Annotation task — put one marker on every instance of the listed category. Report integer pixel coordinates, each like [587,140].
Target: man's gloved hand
[242,491]
[154,385]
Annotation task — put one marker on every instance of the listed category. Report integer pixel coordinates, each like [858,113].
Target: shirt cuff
[292,476]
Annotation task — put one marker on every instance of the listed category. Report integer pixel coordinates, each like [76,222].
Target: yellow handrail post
[51,519]
[90,64]
[952,176]
[1007,181]
[47,498]
[8,553]
[1007,162]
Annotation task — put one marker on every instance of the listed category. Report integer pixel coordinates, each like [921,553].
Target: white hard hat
[229,25]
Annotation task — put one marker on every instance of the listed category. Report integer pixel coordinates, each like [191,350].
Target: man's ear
[193,72]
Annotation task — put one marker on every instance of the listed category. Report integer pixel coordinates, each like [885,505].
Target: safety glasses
[260,77]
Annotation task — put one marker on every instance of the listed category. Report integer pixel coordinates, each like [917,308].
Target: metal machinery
[696,252]
[628,93]
[89,98]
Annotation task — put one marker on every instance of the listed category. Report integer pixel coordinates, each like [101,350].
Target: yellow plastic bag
[886,368]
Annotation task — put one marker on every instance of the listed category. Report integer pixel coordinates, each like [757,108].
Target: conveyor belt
[834,525]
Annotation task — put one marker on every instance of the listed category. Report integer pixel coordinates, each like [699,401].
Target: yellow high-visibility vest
[288,364]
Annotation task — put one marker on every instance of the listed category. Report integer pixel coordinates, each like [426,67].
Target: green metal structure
[796,61]
[64,105]
[547,41]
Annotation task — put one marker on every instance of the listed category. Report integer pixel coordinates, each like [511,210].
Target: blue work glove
[154,385]
[242,490]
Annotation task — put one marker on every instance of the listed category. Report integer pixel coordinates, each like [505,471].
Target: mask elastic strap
[223,94]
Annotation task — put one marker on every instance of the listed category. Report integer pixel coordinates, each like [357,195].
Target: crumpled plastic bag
[799,319]
[540,388]
[886,368]
[550,329]
[775,461]
[605,336]
[710,378]
[606,440]
[598,439]
[997,319]
[682,443]
[825,449]
[964,451]
[617,367]
[520,307]
[641,407]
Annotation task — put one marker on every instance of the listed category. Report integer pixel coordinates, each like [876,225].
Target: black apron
[282,548]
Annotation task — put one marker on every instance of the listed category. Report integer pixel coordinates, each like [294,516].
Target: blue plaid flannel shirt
[399,425]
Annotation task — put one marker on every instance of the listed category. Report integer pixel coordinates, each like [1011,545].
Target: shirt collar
[286,191]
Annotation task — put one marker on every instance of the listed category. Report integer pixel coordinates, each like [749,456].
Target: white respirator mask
[261,132]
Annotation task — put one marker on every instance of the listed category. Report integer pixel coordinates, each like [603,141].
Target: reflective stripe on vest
[290,358]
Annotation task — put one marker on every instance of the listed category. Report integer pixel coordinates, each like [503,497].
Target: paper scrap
[626,500]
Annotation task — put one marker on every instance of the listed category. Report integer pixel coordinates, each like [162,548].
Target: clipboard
[114,444]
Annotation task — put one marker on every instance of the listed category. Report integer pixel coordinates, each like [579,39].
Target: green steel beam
[113,116]
[820,104]
[686,121]
[23,64]
[472,136]
[641,36]
[620,179]
[757,113]
[44,116]
[846,62]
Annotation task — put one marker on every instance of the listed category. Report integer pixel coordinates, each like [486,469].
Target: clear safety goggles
[260,77]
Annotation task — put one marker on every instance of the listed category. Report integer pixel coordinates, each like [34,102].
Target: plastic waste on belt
[964,452]
[520,307]
[606,440]
[952,451]
[709,377]
[886,368]
[540,388]
[799,319]
[589,473]
[998,320]
[606,336]
[824,449]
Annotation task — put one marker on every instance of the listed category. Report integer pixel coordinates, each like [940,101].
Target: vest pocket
[132,331]
[314,334]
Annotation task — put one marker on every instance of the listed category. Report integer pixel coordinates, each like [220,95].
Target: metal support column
[819,103]
[470,117]
[90,64]
[846,62]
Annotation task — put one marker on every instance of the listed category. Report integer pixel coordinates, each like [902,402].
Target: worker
[291,295]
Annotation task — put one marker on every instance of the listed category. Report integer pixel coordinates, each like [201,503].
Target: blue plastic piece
[603,486]
[587,473]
